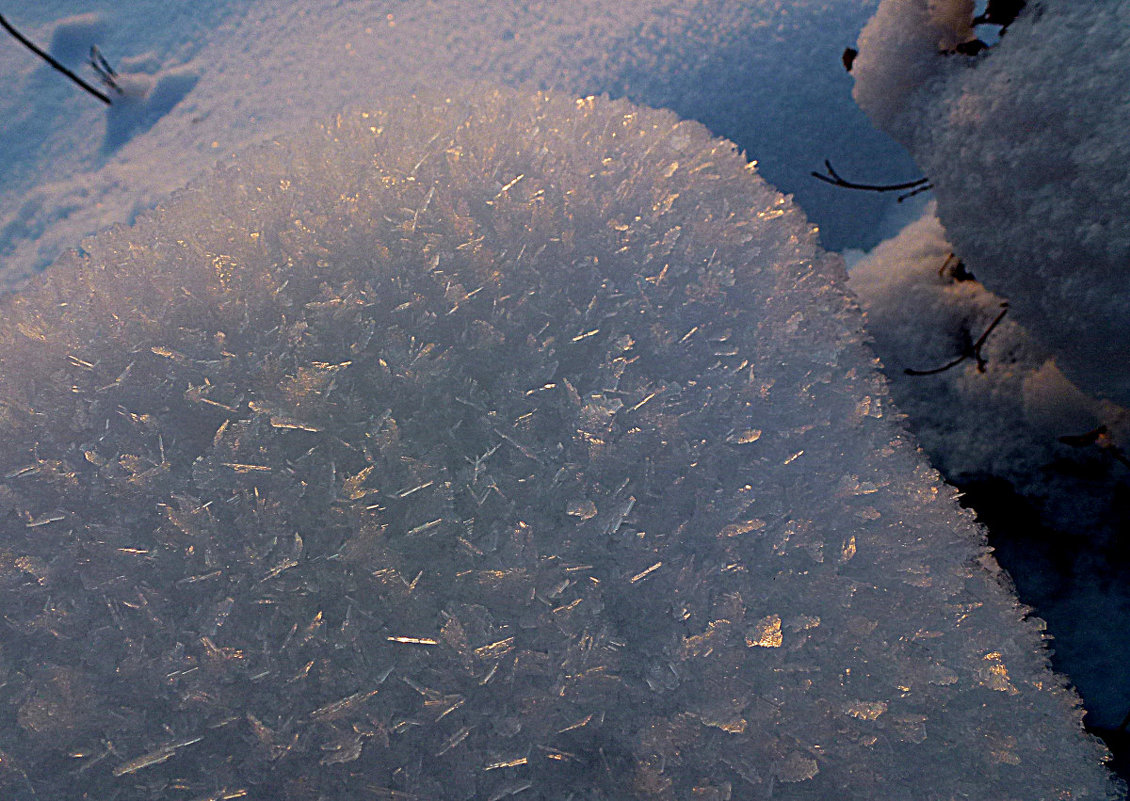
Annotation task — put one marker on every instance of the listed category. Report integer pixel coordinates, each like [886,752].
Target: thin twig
[972,350]
[834,178]
[936,370]
[959,272]
[31,46]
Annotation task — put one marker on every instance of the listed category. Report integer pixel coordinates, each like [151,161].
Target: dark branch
[958,272]
[46,57]
[1099,437]
[972,350]
[936,370]
[834,178]
[980,343]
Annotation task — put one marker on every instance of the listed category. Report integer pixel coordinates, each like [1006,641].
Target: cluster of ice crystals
[511,446]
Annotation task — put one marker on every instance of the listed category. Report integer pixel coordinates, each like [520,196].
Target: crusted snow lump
[1026,147]
[502,445]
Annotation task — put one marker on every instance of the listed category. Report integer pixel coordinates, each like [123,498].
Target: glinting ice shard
[489,446]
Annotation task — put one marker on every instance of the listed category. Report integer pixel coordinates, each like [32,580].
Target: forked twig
[107,73]
[834,178]
[46,57]
[972,350]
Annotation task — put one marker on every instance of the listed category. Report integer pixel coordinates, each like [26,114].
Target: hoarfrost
[372,470]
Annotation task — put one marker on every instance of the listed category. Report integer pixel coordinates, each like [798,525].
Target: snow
[1033,198]
[898,54]
[766,74]
[1025,146]
[204,82]
[1006,421]
[484,444]
[1003,418]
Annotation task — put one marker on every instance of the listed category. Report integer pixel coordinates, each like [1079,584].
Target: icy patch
[465,449]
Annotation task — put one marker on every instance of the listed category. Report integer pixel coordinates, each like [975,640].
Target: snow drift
[1026,146]
[1011,420]
[465,449]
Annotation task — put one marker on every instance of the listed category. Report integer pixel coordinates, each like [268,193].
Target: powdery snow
[1026,146]
[1001,427]
[766,74]
[898,53]
[1003,418]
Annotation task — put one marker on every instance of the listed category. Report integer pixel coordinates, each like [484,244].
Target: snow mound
[73,37]
[471,448]
[1013,417]
[899,51]
[1026,146]
[1003,415]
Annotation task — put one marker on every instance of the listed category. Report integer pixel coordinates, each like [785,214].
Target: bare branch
[46,57]
[105,71]
[832,177]
[972,350]
[1101,438]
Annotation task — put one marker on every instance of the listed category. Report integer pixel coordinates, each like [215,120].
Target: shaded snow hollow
[474,447]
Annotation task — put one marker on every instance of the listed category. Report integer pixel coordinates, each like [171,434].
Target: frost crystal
[514,446]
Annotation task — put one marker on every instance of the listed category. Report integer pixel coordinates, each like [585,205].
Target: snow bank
[1026,146]
[1002,417]
[898,53]
[465,449]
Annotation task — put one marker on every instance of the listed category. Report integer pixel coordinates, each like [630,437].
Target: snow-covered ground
[227,74]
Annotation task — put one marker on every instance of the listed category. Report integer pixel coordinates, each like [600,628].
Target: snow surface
[1003,418]
[767,74]
[1005,421]
[899,52]
[211,78]
[1026,147]
[468,447]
